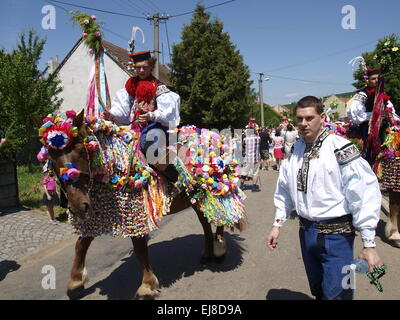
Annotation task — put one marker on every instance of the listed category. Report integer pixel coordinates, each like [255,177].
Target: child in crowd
[50,196]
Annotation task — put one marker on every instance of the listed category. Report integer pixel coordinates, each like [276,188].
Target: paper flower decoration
[70,172]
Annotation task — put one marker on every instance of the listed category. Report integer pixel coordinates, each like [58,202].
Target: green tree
[385,56]
[25,91]
[271,117]
[210,76]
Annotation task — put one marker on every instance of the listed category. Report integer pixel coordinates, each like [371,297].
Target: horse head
[64,140]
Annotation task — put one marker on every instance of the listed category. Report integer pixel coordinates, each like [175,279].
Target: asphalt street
[250,271]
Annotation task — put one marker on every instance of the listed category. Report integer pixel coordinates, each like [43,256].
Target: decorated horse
[111,189]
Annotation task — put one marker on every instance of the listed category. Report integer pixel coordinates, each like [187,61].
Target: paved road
[250,271]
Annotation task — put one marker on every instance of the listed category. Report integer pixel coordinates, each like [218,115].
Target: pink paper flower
[138,184]
[84,35]
[93,17]
[93,145]
[70,113]
[97,34]
[41,157]
[73,174]
[48,119]
[86,21]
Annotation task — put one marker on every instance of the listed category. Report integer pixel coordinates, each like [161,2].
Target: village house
[281,109]
[338,106]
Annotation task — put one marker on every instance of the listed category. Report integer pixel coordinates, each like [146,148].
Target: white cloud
[292,95]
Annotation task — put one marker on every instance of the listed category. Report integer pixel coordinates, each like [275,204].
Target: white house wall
[74,76]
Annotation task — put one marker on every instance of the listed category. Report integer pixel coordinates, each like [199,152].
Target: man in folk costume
[361,110]
[380,132]
[150,108]
[334,192]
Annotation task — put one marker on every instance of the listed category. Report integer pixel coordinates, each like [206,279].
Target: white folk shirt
[357,112]
[338,182]
[167,112]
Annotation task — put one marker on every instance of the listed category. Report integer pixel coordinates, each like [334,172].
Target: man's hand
[372,257]
[49,197]
[145,117]
[272,241]
[107,115]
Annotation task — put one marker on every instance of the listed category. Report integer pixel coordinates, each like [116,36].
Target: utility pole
[261,94]
[156,21]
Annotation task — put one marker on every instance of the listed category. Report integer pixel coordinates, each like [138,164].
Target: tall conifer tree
[210,76]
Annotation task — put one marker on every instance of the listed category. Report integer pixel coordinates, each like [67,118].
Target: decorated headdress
[57,131]
[360,60]
[371,72]
[135,57]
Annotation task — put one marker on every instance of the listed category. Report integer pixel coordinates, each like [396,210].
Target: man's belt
[333,228]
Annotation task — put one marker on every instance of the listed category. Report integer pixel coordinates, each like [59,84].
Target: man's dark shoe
[255,188]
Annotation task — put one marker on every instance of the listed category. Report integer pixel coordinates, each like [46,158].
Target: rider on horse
[151,109]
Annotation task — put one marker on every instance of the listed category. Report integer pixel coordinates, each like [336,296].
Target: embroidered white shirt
[337,185]
[357,114]
[167,112]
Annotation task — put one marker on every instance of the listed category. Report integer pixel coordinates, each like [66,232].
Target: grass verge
[31,190]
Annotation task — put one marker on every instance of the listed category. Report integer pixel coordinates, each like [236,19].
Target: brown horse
[80,204]
[392,227]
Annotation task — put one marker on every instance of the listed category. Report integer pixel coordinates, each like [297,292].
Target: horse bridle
[89,174]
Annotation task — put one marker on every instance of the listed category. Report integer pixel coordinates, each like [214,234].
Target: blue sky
[297,39]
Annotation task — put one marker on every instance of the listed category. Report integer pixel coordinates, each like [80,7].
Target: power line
[303,80]
[137,6]
[320,57]
[150,5]
[94,9]
[105,28]
[127,4]
[169,48]
[213,6]
[158,8]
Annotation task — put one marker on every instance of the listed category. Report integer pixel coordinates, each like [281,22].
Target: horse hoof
[75,294]
[144,297]
[219,248]
[395,243]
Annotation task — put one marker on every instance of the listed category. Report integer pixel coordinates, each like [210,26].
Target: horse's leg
[78,273]
[208,252]
[219,244]
[149,287]
[392,227]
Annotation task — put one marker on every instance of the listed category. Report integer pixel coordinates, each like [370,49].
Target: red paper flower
[146,91]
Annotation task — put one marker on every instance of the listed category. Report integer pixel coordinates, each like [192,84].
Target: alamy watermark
[49,20]
[349,20]
[349,280]
[49,280]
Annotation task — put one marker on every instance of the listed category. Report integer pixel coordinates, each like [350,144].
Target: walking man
[334,192]
[252,159]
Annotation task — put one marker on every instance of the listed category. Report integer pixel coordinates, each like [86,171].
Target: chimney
[53,64]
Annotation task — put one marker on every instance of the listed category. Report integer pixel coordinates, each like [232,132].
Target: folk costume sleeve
[357,111]
[390,114]
[121,107]
[282,198]
[361,190]
[168,103]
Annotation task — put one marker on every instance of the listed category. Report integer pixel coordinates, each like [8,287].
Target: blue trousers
[145,145]
[324,256]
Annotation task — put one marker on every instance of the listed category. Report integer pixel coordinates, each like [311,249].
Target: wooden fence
[8,185]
